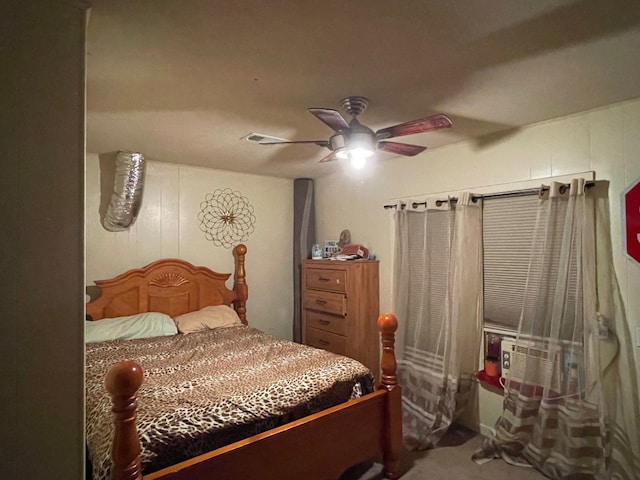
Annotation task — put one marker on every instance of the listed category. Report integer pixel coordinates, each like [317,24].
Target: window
[510,242]
[508,225]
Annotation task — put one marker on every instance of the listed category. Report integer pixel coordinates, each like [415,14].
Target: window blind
[507,234]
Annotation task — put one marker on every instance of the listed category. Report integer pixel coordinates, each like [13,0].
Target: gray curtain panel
[304,234]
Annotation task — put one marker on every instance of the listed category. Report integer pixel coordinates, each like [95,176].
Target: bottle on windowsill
[492,359]
[492,366]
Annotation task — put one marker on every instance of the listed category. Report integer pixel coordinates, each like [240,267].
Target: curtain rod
[511,193]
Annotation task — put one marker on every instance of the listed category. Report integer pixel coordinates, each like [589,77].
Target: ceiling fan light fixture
[357,156]
[360,152]
[342,153]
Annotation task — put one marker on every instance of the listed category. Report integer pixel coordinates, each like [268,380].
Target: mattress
[207,389]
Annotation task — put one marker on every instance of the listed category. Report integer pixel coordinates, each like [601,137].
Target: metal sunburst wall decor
[226,218]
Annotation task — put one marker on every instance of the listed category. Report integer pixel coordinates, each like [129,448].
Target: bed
[300,442]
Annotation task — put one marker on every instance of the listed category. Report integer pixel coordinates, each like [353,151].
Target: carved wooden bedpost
[123,381]
[387,324]
[239,283]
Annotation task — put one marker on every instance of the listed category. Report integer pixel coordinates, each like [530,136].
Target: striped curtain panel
[620,372]
[553,417]
[304,234]
[438,295]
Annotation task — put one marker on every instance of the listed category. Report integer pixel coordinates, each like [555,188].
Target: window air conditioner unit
[531,362]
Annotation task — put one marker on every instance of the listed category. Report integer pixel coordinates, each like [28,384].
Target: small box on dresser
[340,307]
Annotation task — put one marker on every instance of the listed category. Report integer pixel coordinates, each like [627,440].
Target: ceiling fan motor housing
[360,138]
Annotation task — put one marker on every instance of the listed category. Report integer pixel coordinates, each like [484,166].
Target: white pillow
[141,325]
[207,318]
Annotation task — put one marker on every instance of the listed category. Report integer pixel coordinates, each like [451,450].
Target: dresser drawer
[323,279]
[326,340]
[322,321]
[328,302]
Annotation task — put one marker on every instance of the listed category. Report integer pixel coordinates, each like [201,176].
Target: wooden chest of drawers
[340,308]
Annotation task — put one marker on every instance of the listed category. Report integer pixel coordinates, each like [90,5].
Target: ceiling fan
[357,142]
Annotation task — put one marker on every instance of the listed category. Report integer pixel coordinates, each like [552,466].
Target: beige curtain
[438,297]
[559,408]
[620,374]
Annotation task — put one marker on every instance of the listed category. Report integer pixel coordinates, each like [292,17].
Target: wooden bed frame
[321,446]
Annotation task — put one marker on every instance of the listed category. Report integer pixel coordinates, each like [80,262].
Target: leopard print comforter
[208,389]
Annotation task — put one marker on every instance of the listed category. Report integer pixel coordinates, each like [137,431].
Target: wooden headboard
[173,287]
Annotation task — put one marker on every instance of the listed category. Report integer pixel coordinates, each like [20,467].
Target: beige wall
[606,141]
[168,226]
[41,241]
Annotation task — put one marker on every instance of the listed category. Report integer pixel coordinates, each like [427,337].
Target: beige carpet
[451,460]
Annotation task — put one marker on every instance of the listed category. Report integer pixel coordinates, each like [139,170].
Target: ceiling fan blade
[330,117]
[426,124]
[320,143]
[329,158]
[401,148]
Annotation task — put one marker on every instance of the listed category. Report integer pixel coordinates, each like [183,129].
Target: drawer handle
[324,279]
[324,343]
[321,302]
[324,322]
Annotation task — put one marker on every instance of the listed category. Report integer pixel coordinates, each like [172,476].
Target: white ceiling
[184,81]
